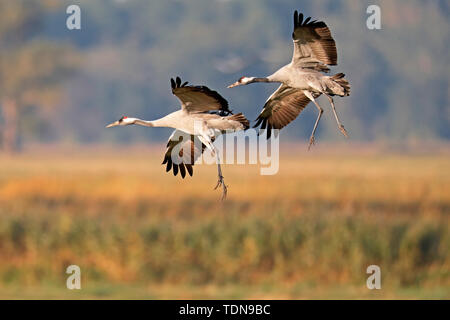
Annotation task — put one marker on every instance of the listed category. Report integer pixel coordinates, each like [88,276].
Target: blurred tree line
[31,68]
[130,48]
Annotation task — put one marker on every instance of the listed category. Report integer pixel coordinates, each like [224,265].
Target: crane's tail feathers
[239,117]
[343,83]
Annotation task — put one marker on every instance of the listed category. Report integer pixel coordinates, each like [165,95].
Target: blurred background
[72,192]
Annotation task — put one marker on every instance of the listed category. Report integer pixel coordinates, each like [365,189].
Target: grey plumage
[204,114]
[303,79]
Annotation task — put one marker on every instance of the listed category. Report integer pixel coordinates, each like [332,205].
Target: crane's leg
[340,126]
[206,140]
[220,181]
[312,140]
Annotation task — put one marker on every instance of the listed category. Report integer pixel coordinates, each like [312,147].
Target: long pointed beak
[237,83]
[116,123]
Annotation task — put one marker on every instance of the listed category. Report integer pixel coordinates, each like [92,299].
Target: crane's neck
[256,79]
[272,78]
[155,123]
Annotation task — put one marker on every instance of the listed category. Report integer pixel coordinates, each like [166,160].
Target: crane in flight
[203,116]
[302,80]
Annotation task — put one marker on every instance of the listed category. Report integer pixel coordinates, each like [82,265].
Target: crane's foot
[312,141]
[344,132]
[221,182]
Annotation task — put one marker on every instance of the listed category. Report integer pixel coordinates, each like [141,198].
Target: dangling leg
[206,140]
[220,181]
[340,126]
[312,140]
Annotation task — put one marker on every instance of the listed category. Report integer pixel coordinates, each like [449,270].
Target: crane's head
[242,81]
[124,121]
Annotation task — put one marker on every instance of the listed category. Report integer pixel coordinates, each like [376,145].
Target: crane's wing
[314,47]
[198,98]
[182,151]
[282,107]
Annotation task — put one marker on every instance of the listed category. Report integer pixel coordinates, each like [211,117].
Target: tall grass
[318,224]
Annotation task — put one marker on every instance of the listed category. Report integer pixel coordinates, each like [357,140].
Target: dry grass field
[308,232]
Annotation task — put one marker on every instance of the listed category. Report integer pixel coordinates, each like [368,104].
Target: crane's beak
[116,123]
[237,83]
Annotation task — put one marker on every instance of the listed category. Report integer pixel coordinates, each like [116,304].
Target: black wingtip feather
[299,22]
[182,170]
[264,124]
[224,110]
[176,83]
[258,122]
[189,169]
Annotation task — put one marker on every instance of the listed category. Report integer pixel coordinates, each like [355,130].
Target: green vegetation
[308,232]
[305,233]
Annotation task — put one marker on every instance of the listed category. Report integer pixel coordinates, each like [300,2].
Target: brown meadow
[308,232]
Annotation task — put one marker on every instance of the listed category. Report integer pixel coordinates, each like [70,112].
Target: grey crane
[203,116]
[302,79]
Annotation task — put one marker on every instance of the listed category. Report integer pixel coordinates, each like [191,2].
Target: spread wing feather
[282,107]
[314,47]
[198,98]
[189,149]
